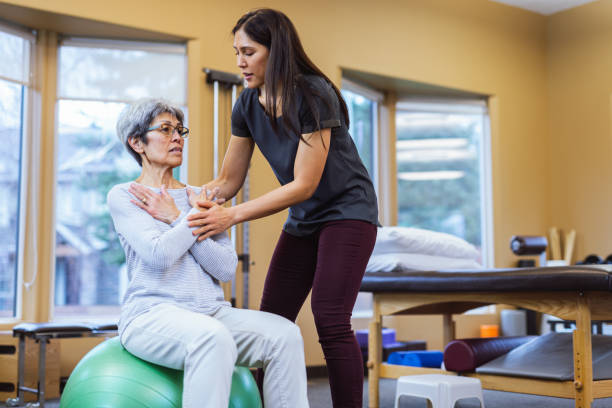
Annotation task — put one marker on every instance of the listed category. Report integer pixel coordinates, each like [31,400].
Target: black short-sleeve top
[345,190]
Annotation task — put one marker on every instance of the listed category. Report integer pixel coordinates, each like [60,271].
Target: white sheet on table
[404,240]
[421,262]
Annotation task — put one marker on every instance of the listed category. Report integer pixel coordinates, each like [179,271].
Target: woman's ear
[136,144]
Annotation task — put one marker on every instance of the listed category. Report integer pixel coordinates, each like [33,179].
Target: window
[362,104]
[15,48]
[96,79]
[443,169]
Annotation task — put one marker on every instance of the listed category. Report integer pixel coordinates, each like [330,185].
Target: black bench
[42,333]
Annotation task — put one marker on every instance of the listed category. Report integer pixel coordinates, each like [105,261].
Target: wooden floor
[319,396]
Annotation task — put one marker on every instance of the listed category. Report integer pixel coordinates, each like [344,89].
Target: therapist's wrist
[236,214]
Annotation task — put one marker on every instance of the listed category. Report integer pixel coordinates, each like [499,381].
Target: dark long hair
[287,65]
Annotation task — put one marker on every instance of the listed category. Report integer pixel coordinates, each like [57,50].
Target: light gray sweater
[166,263]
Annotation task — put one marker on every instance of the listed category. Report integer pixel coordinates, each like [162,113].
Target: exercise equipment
[389,344]
[571,324]
[425,358]
[229,81]
[530,245]
[579,293]
[387,335]
[42,333]
[110,377]
[549,357]
[489,330]
[467,354]
[591,259]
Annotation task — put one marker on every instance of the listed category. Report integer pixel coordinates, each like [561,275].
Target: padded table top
[564,278]
[60,328]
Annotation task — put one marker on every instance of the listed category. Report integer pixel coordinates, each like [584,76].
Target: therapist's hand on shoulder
[204,196]
[159,206]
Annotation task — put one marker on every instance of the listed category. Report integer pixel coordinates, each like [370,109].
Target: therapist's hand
[204,195]
[212,193]
[213,219]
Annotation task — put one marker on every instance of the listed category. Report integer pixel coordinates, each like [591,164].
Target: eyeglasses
[168,130]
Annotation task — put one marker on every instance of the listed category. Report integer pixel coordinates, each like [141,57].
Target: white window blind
[15,45]
[121,71]
[458,106]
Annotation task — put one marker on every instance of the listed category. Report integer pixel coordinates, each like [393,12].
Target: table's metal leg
[15,402]
[42,362]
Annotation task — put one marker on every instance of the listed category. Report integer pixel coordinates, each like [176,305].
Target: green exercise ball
[110,377]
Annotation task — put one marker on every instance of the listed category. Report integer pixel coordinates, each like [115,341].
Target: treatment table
[579,293]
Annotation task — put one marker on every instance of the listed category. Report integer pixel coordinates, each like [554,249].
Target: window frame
[97,43]
[377,98]
[26,142]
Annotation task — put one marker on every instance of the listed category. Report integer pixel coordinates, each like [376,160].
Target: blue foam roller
[430,358]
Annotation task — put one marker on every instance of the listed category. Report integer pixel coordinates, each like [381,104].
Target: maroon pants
[331,262]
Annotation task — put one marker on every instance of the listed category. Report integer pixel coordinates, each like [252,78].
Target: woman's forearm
[272,202]
[308,168]
[228,188]
[216,219]
[234,168]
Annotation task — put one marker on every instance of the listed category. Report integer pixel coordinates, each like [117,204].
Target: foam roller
[467,354]
[528,245]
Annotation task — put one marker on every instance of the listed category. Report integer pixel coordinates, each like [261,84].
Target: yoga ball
[110,377]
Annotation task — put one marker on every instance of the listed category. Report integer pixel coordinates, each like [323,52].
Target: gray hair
[135,119]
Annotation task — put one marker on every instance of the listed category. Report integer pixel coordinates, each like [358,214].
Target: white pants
[208,347]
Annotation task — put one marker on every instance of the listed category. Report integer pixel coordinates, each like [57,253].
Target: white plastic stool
[442,390]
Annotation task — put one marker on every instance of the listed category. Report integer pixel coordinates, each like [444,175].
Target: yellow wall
[474,45]
[580,101]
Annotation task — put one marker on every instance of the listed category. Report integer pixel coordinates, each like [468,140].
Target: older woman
[174,313]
